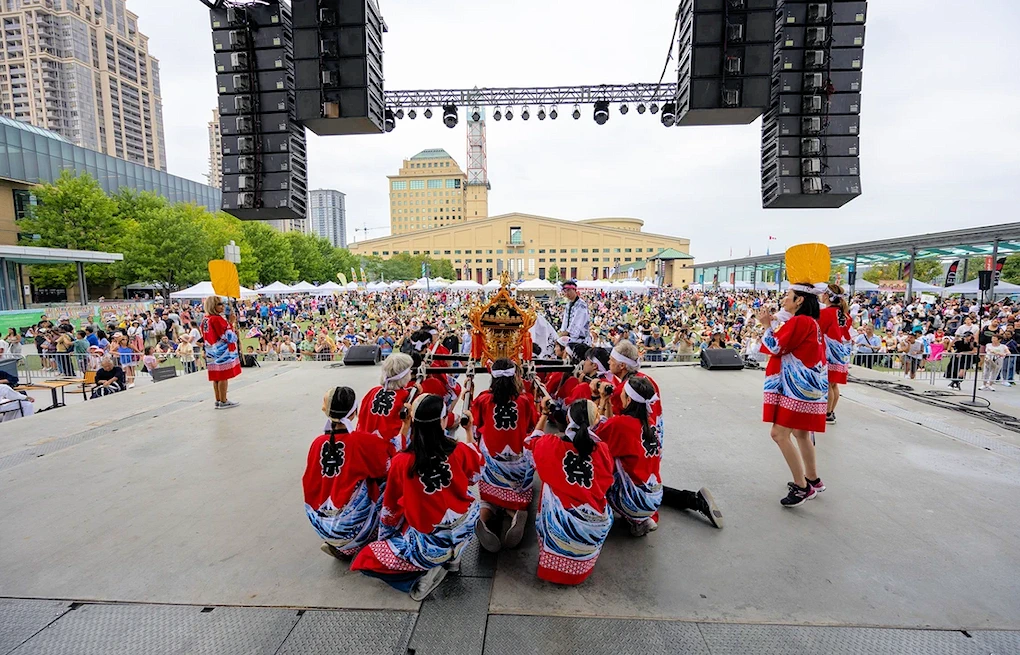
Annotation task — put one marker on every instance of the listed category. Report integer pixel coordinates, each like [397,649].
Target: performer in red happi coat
[502,418]
[574,516]
[834,321]
[343,478]
[380,408]
[428,513]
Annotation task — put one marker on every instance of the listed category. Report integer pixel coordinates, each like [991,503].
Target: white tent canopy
[492,284]
[465,285]
[328,288]
[864,285]
[205,289]
[924,286]
[536,285]
[1001,289]
[303,287]
[275,289]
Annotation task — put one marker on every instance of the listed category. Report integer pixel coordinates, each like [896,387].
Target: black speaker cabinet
[721,359]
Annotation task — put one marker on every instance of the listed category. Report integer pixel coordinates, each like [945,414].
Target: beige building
[431,191]
[529,246]
[215,151]
[82,69]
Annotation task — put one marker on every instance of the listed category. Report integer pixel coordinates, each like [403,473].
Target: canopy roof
[205,289]
[970,242]
[276,288]
[1001,288]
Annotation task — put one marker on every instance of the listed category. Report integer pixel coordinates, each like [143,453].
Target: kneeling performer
[343,478]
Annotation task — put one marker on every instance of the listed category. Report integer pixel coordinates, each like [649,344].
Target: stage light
[390,122]
[399,113]
[496,115]
[541,113]
[553,113]
[509,114]
[641,108]
[601,112]
[669,114]
[624,109]
[412,114]
[577,113]
[525,114]
[654,108]
[476,115]
[450,116]
[428,112]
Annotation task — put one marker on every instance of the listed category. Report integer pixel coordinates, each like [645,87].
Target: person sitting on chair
[109,379]
[14,404]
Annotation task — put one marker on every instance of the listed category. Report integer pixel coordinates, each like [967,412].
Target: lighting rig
[317,64]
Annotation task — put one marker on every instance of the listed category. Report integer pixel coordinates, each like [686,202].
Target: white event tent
[275,289]
[205,289]
[972,288]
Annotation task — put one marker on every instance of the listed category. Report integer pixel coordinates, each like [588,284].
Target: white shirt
[3,347]
[1001,350]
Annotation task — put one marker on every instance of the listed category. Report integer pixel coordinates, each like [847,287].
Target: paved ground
[191,521]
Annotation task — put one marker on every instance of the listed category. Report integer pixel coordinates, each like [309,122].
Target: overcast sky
[940,126]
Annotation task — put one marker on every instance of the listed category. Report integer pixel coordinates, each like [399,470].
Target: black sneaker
[830,417]
[707,506]
[797,495]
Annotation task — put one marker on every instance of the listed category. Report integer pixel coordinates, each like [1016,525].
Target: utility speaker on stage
[721,359]
[362,356]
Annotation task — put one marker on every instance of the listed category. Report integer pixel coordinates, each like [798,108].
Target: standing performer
[343,478]
[637,451]
[574,516]
[623,363]
[796,376]
[380,408]
[834,321]
[503,417]
[576,321]
[221,355]
[428,513]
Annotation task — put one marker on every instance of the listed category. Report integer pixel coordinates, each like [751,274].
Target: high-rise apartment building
[327,216]
[215,174]
[431,191]
[82,69]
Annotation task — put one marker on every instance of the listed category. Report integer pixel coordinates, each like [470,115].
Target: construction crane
[365,230]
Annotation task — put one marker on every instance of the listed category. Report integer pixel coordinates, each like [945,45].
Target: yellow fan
[223,275]
[808,263]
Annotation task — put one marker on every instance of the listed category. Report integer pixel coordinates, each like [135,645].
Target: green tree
[308,259]
[168,246]
[270,251]
[73,212]
[442,268]
[220,229]
[925,270]
[554,273]
[1011,269]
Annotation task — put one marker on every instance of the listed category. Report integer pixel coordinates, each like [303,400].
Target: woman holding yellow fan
[796,377]
[222,352]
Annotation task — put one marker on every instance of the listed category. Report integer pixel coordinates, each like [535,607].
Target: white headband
[598,364]
[563,340]
[505,372]
[638,398]
[347,422]
[399,376]
[817,289]
[618,356]
[571,430]
[418,345]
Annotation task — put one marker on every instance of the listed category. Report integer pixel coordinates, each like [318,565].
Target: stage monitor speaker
[721,359]
[362,356]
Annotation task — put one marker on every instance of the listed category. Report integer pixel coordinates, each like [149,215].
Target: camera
[606,389]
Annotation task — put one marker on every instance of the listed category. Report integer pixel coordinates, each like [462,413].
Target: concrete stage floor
[190,522]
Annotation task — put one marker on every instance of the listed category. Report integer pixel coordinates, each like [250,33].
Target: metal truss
[532,96]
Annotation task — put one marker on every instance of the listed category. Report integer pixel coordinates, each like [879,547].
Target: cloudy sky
[940,127]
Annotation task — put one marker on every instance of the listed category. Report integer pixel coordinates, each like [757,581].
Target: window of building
[516,236]
[626,259]
[24,200]
[626,250]
[375,252]
[499,252]
[584,259]
[417,184]
[399,185]
[417,252]
[573,260]
[617,249]
[584,250]
[541,260]
[384,252]
[457,252]
[435,184]
[563,251]
[541,271]
[541,251]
